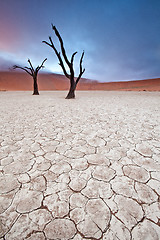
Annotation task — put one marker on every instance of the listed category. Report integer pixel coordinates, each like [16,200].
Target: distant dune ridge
[19,81]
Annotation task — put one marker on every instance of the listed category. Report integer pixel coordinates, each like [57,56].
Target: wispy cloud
[120,38]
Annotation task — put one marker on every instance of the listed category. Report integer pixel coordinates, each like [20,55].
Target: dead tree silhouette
[73,82]
[33,72]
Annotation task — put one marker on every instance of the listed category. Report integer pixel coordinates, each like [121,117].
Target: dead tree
[33,72]
[73,82]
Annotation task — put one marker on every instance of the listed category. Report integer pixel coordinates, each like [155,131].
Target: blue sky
[121,38]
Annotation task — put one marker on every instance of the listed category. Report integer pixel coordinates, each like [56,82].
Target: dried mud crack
[92,173]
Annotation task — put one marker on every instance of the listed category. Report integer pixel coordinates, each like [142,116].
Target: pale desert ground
[83,168]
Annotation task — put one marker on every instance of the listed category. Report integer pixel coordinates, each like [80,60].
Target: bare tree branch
[52,45]
[72,58]
[81,71]
[47,43]
[62,66]
[62,46]
[50,39]
[32,69]
[15,66]
[43,63]
[41,66]
[28,68]
[59,57]
[81,61]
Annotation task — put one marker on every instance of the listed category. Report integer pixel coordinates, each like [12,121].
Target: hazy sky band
[121,38]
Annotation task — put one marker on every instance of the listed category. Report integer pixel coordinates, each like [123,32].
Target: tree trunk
[35,92]
[71,93]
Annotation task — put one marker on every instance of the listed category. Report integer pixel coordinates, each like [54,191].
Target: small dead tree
[73,82]
[33,72]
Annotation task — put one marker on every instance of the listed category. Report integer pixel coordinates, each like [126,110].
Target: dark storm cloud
[121,39]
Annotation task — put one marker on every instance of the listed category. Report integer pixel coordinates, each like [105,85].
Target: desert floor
[83,168]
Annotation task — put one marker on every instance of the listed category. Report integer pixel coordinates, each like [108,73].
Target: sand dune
[19,81]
